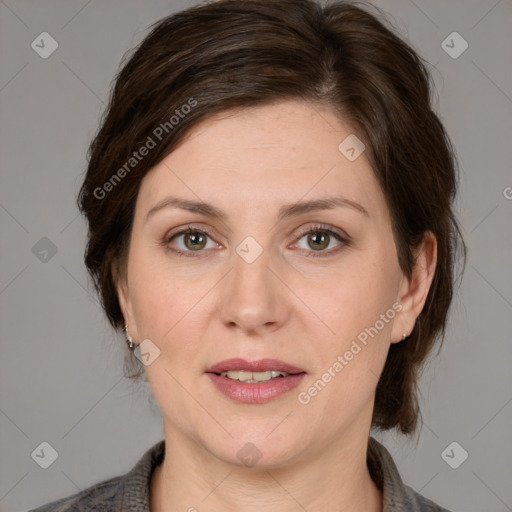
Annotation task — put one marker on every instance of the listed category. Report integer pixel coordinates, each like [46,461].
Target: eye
[192,240]
[318,238]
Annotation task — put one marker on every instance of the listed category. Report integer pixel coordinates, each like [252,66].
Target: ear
[413,290]
[123,296]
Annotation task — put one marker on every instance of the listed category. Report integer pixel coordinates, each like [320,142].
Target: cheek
[157,299]
[353,298]
[166,301]
[357,306]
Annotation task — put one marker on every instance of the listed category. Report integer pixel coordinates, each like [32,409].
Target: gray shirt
[130,492]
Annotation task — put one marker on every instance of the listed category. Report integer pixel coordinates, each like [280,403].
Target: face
[258,275]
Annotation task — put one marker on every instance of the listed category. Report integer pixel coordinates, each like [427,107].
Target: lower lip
[256,392]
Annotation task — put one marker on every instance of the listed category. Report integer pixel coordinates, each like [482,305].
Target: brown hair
[241,53]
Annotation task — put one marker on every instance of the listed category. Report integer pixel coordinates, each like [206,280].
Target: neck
[191,479]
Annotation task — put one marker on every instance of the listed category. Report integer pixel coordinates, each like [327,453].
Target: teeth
[252,377]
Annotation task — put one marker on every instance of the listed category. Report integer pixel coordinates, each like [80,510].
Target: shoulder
[397,497]
[421,504]
[100,497]
[129,492]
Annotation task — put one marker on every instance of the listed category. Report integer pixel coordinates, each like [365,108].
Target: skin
[306,311]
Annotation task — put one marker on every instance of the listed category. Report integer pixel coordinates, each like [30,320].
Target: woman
[269,201]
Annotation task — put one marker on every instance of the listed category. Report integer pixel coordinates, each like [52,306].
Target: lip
[255,392]
[261,365]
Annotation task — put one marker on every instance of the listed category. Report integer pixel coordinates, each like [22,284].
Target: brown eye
[321,241]
[318,240]
[189,241]
[194,241]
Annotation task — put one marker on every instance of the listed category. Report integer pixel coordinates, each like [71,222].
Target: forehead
[252,158]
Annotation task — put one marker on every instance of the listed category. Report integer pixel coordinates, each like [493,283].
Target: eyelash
[313,229]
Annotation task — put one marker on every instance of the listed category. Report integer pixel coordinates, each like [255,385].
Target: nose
[253,296]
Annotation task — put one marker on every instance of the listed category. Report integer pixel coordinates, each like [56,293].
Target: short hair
[236,54]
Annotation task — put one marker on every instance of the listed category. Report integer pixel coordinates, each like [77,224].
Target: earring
[404,336]
[129,339]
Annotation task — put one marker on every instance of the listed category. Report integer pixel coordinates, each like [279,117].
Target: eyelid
[186,229]
[318,226]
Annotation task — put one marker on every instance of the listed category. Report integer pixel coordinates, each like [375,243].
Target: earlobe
[414,289]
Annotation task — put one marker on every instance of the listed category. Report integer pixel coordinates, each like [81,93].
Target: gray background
[61,366]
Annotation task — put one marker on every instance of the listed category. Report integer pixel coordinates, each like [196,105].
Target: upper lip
[260,365]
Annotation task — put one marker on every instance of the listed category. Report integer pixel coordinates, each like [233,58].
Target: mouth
[254,381]
[258,371]
[253,377]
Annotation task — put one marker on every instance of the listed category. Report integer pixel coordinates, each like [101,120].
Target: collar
[397,497]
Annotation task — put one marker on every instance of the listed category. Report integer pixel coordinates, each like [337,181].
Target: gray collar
[397,497]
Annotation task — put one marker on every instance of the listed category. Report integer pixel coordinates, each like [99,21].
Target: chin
[258,450]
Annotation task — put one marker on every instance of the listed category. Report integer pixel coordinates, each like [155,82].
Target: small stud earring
[129,339]
[404,336]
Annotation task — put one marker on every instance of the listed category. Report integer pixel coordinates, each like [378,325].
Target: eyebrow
[285,212]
